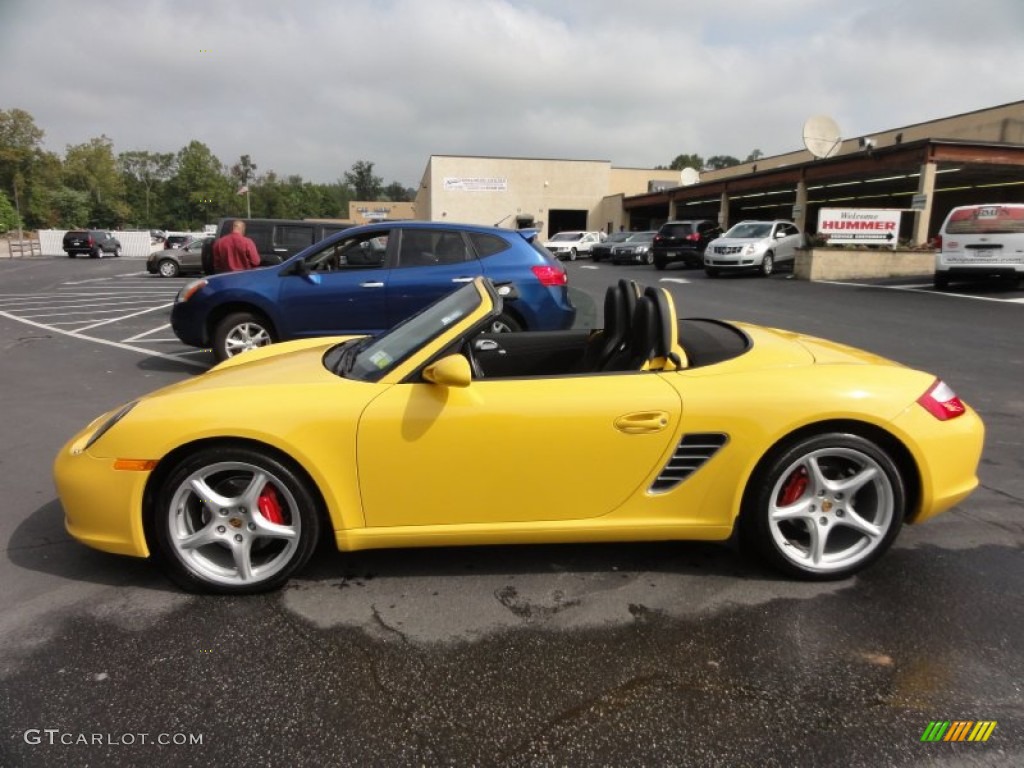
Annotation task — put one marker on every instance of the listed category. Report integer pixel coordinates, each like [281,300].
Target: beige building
[551,195]
[362,212]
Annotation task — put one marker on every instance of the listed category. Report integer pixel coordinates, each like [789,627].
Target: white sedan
[572,244]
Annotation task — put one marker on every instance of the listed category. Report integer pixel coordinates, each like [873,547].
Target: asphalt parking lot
[640,654]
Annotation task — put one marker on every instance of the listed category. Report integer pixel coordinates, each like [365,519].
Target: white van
[978,241]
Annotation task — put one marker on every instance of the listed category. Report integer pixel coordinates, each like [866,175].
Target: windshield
[750,229]
[986,220]
[370,358]
[619,237]
[642,237]
[564,236]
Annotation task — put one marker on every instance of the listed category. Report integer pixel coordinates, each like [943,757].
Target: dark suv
[91,242]
[684,241]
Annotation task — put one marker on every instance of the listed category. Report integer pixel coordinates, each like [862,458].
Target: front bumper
[102,506]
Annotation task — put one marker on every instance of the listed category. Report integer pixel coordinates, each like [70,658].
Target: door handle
[641,423]
[462,279]
[371,285]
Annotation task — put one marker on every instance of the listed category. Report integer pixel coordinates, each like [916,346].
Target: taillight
[941,401]
[91,241]
[550,276]
[938,242]
[694,236]
[658,238]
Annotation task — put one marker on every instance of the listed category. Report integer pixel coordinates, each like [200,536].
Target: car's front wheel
[168,268]
[711,272]
[767,264]
[649,258]
[233,520]
[238,332]
[572,254]
[824,507]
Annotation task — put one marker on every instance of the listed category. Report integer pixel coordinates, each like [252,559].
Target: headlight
[750,249]
[642,249]
[119,414]
[189,290]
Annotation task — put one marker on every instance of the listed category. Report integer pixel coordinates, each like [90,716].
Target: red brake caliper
[270,505]
[794,488]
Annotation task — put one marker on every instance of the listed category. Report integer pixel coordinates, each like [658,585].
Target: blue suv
[366,279]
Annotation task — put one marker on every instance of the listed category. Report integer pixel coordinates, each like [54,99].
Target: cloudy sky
[311,86]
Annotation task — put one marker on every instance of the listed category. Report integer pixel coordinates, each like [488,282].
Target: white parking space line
[179,357]
[125,317]
[139,336]
[927,289]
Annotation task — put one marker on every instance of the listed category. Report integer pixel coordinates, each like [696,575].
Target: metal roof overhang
[880,177]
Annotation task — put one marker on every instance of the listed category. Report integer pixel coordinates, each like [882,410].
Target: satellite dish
[689,176]
[821,136]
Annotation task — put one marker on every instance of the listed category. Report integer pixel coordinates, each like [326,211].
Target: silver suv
[753,245]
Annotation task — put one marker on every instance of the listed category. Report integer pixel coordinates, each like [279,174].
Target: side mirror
[451,371]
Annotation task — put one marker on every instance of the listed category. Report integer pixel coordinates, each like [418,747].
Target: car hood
[736,241]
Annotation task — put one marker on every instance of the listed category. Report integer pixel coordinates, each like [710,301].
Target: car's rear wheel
[823,507]
[233,520]
[659,262]
[168,268]
[240,331]
[117,252]
[504,323]
[941,281]
[98,253]
[767,264]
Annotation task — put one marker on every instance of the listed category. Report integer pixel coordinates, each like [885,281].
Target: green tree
[754,156]
[363,183]
[397,193]
[144,172]
[244,171]
[686,161]
[8,216]
[92,167]
[199,192]
[21,160]
[718,162]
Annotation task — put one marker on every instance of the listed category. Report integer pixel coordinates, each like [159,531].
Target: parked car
[366,279]
[684,241]
[569,245]
[171,262]
[639,249]
[979,241]
[91,242]
[753,245]
[812,454]
[279,239]
[177,241]
[156,236]
[603,250]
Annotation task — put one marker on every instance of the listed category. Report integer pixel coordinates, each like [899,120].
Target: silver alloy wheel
[831,509]
[572,254]
[649,258]
[218,530]
[767,264]
[168,268]
[245,336]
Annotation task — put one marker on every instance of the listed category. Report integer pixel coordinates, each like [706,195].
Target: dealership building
[923,169]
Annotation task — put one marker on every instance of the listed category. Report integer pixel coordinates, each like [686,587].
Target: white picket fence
[134,244]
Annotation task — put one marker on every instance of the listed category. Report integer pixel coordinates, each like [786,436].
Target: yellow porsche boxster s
[441,433]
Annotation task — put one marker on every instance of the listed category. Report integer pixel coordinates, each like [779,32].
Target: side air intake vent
[690,455]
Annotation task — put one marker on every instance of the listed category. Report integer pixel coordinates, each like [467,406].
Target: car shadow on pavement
[193,365]
[40,543]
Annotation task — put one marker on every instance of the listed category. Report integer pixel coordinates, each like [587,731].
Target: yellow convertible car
[440,433]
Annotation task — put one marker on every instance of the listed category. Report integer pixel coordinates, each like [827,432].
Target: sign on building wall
[860,226]
[475,184]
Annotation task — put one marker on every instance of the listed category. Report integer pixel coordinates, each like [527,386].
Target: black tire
[239,332]
[72,255]
[272,529]
[805,489]
[649,258]
[660,263]
[168,268]
[767,265]
[595,258]
[572,254]
[117,252]
[504,323]
[97,254]
[941,281]
[711,272]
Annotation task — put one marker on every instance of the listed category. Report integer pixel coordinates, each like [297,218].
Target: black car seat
[610,340]
[644,337]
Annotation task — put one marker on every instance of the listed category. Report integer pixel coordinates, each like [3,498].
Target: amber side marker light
[135,465]
[941,401]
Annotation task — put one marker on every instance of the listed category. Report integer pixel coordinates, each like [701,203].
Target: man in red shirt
[235,252]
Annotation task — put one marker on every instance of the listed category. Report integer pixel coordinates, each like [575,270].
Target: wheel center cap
[826,506]
[234,522]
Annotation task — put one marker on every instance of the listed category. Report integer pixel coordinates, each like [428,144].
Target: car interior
[641,333]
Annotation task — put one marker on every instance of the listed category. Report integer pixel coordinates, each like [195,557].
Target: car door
[339,288]
[429,263]
[512,450]
[787,239]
